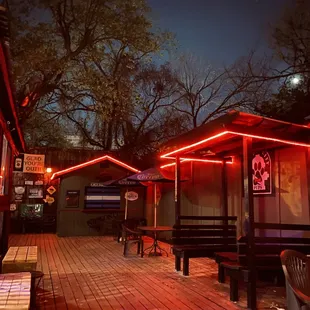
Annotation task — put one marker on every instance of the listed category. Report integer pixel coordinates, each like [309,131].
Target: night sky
[219,31]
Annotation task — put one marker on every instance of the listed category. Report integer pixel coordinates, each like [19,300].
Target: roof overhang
[93,162]
[221,139]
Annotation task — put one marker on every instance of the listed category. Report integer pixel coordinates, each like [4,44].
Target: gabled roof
[222,136]
[93,162]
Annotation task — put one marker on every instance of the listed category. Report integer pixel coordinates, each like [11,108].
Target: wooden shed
[211,157]
[87,204]
[246,165]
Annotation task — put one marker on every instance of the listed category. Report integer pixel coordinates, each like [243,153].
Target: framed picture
[262,173]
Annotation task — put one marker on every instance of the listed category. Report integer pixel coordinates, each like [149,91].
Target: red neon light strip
[196,159]
[215,161]
[195,144]
[270,139]
[91,162]
[187,147]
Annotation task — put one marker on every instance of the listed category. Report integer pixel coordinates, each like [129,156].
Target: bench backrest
[268,249]
[205,234]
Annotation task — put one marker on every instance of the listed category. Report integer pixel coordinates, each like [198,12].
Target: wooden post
[249,219]
[308,173]
[224,206]
[5,232]
[177,190]
[224,209]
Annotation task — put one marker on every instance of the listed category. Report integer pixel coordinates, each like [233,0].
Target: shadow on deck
[91,273]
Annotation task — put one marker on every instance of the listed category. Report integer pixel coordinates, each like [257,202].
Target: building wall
[73,221]
[202,194]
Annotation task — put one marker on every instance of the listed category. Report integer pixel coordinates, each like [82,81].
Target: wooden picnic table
[18,259]
[15,291]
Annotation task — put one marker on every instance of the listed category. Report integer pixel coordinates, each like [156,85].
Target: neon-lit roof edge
[187,147]
[92,162]
[182,160]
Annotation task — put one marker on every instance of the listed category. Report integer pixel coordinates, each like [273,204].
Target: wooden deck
[91,273]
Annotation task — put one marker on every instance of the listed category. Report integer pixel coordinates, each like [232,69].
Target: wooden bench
[267,252]
[19,259]
[202,240]
[15,291]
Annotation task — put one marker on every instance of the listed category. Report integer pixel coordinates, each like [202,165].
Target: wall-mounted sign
[12,207]
[262,173]
[18,163]
[95,184]
[51,190]
[38,182]
[131,196]
[33,163]
[18,197]
[19,190]
[49,199]
[28,182]
[35,192]
[31,210]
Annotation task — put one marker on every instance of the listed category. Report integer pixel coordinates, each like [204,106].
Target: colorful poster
[33,163]
[262,173]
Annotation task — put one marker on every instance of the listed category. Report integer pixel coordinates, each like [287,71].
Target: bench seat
[265,256]
[237,272]
[202,240]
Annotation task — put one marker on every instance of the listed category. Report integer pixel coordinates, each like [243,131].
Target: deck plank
[91,273]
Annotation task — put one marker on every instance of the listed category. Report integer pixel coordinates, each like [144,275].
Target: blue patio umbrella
[152,175]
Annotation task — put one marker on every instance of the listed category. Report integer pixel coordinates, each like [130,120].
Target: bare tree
[204,92]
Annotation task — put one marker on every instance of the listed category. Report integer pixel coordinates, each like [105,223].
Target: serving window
[107,197]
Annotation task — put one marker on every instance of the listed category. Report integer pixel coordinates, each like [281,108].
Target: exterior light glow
[48,170]
[92,162]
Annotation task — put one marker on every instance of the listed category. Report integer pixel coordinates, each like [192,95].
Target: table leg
[155,249]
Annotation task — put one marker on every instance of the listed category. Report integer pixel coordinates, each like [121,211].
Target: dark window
[72,198]
[107,197]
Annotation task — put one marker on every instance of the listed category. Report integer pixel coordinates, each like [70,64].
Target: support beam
[177,190]
[224,208]
[249,219]
[308,171]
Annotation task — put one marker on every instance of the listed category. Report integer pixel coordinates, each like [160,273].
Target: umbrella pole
[155,207]
[126,204]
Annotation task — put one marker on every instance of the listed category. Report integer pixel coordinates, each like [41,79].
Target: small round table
[155,246]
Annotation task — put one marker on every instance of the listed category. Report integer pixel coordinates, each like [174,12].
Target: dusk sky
[219,31]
